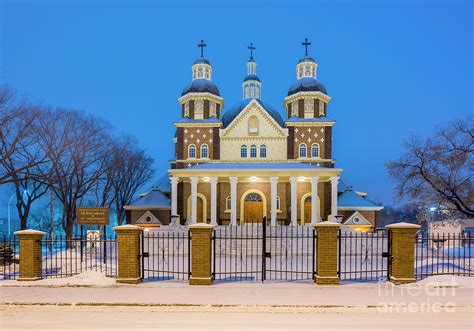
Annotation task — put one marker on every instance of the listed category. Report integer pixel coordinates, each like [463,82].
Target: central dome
[201,86]
[231,113]
[307,84]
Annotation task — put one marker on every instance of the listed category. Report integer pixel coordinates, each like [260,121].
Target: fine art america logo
[429,297]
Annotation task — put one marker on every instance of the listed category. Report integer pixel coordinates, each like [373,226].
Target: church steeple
[251,85]
[307,66]
[202,68]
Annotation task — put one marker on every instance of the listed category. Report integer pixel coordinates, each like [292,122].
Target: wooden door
[253,208]
[200,210]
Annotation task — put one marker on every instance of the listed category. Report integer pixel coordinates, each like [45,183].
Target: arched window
[243,151]
[302,150]
[253,151]
[228,204]
[278,203]
[314,150]
[263,151]
[204,151]
[253,125]
[192,151]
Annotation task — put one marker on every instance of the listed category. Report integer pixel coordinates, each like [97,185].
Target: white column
[233,200]
[334,181]
[294,203]
[193,215]
[213,181]
[273,203]
[314,200]
[174,195]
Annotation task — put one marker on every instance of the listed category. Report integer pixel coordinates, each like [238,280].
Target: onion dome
[307,84]
[201,86]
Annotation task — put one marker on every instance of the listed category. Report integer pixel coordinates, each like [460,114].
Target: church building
[235,165]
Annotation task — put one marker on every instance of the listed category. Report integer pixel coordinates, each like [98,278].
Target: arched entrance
[201,208]
[253,206]
[306,208]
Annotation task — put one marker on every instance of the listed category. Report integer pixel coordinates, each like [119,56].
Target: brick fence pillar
[129,266]
[201,259]
[30,254]
[402,252]
[327,253]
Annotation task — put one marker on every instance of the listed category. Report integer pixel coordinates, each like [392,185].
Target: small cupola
[251,86]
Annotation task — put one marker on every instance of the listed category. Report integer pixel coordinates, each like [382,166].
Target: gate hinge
[145,254]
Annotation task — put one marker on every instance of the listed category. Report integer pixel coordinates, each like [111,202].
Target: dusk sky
[392,68]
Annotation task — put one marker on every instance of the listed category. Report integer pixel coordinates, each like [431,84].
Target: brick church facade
[238,164]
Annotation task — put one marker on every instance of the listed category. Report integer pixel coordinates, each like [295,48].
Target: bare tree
[439,169]
[18,149]
[76,144]
[131,168]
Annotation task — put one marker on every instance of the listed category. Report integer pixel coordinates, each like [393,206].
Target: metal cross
[252,48]
[202,45]
[306,43]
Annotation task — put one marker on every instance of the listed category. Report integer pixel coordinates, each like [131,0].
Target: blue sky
[392,68]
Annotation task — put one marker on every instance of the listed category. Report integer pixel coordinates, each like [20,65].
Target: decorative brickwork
[128,241]
[30,254]
[198,136]
[402,251]
[201,259]
[327,253]
[311,135]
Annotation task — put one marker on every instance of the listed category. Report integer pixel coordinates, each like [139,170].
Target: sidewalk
[443,290]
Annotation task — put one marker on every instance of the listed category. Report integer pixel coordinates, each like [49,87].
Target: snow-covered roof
[351,200]
[163,184]
[152,199]
[256,165]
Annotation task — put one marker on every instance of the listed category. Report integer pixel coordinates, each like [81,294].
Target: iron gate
[259,252]
[165,254]
[364,255]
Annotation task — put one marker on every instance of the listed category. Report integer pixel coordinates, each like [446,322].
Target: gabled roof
[351,200]
[231,113]
[152,199]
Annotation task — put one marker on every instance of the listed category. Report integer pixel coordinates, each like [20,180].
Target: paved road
[184,318]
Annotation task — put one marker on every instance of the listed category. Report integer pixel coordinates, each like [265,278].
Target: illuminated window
[253,125]
[228,203]
[278,203]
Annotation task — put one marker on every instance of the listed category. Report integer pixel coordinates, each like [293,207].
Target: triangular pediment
[267,126]
[356,219]
[148,219]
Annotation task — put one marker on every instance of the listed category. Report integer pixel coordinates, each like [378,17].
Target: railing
[166,254]
[63,257]
[445,254]
[238,252]
[291,253]
[363,256]
[9,258]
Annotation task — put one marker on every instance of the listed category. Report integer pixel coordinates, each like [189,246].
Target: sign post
[93,216]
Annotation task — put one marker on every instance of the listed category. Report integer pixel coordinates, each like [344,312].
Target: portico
[235,193]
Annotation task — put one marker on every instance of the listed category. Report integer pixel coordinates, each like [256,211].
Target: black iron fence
[444,254]
[9,258]
[166,254]
[257,252]
[65,257]
[363,256]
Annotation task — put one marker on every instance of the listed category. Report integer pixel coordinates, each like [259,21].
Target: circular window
[148,219]
[356,219]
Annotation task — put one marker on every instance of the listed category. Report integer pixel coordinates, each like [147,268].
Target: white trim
[142,219]
[355,214]
[360,208]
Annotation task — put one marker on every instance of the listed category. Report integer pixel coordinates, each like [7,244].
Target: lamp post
[9,214]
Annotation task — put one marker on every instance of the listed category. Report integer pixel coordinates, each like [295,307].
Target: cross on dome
[306,43]
[202,45]
[252,48]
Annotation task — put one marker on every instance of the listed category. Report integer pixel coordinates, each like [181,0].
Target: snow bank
[447,281]
[86,278]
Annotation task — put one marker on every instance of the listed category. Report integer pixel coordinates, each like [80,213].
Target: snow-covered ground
[440,302]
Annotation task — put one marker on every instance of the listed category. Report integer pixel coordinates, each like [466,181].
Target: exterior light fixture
[301,179]
[206,179]
[253,179]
